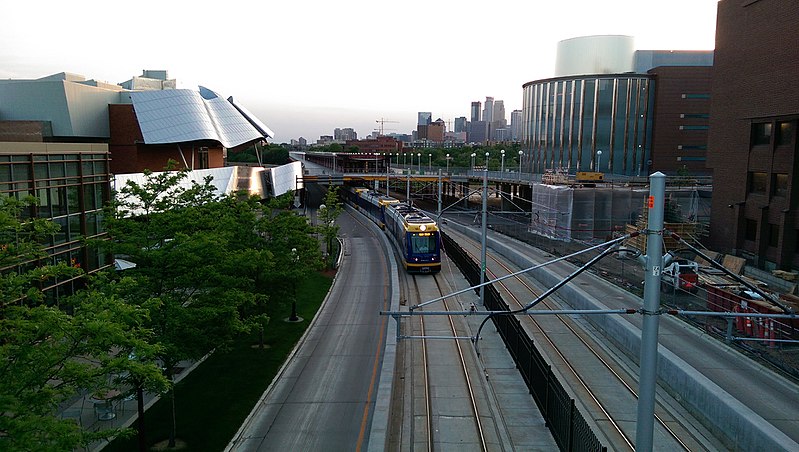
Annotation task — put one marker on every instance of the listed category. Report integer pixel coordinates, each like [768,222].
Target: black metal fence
[567,424]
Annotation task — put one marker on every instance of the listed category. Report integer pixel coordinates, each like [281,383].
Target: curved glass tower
[569,120]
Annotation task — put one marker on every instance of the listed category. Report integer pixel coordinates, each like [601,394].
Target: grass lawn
[214,399]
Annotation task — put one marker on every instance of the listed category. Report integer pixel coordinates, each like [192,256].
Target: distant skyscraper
[475,111]
[499,111]
[488,110]
[460,124]
[425,118]
[516,125]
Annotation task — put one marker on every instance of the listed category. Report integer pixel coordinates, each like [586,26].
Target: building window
[773,235]
[696,96]
[694,116]
[758,183]
[785,132]
[751,230]
[781,185]
[699,127]
[761,133]
[202,156]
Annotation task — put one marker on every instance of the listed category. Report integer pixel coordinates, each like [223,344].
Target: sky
[305,67]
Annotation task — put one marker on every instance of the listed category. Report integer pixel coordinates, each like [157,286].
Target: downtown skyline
[309,68]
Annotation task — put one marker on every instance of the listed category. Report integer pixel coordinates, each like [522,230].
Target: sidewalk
[118,411]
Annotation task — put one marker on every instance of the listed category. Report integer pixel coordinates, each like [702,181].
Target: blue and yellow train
[415,235]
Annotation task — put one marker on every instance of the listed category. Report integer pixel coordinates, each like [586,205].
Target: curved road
[324,397]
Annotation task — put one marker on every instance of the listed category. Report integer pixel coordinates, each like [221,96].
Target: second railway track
[599,378]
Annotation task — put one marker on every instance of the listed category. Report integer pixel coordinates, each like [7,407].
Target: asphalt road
[324,399]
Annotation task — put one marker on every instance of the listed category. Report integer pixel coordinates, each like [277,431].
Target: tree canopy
[50,354]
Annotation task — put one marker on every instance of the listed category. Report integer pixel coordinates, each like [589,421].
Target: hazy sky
[305,67]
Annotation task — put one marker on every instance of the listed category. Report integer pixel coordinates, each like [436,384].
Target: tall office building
[488,110]
[516,125]
[475,111]
[344,134]
[498,121]
[425,118]
[499,112]
[460,124]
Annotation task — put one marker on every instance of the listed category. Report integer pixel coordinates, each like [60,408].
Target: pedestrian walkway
[114,409]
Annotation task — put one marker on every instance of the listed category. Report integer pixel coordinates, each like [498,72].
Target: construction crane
[382,121]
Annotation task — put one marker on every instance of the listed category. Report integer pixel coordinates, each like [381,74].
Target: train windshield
[423,243]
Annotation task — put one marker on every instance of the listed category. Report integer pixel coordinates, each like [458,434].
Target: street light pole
[473,155]
[447,163]
[502,164]
[521,153]
[294,260]
[419,155]
[429,162]
[598,160]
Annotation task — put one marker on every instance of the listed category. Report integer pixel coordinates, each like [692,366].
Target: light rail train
[413,233]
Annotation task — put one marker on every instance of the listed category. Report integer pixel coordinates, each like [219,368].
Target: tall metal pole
[408,187]
[439,197]
[388,191]
[649,332]
[483,235]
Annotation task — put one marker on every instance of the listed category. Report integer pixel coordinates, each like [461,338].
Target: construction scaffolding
[586,214]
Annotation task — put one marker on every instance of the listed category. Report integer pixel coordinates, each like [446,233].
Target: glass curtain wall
[567,121]
[71,190]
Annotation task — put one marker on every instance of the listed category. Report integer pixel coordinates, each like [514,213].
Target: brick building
[752,142]
[681,113]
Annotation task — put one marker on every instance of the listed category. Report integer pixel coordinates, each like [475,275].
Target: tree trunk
[140,420]
[173,430]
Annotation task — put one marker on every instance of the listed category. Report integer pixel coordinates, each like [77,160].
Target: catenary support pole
[483,235]
[651,314]
[439,197]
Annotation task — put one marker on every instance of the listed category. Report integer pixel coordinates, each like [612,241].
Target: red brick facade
[752,143]
[680,118]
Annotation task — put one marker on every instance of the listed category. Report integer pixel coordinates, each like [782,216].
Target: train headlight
[423,228]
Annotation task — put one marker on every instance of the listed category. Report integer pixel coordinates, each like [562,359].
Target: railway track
[573,351]
[448,400]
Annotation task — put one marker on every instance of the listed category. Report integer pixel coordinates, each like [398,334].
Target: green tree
[197,256]
[296,252]
[51,354]
[327,216]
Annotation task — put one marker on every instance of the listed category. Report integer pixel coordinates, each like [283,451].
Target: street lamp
[419,155]
[295,259]
[473,155]
[502,160]
[447,163]
[429,162]
[599,160]
[521,153]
